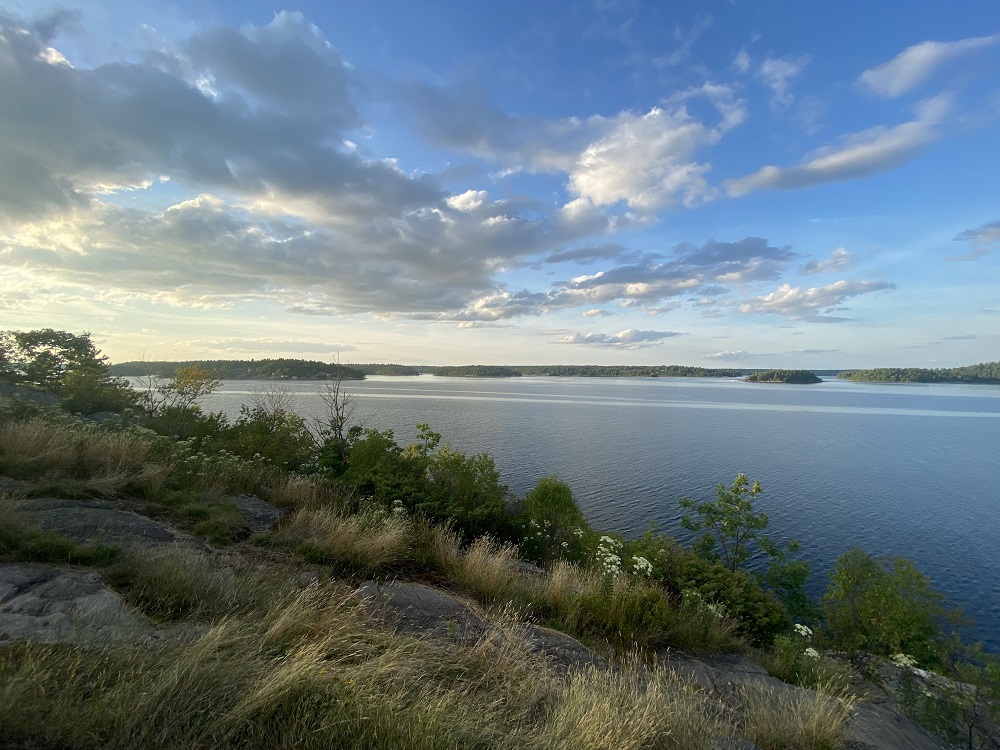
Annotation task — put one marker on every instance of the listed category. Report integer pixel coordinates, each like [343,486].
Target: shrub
[884,607]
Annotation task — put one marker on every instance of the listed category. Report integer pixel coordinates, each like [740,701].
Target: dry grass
[662,711]
[94,459]
[800,719]
[304,492]
[176,583]
[315,673]
[357,544]
[485,571]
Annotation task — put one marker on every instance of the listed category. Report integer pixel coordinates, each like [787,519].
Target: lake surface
[895,469]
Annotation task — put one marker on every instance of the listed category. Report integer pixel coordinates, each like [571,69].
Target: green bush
[554,526]
[885,607]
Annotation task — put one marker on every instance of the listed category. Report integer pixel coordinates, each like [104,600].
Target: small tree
[180,392]
[332,428]
[728,521]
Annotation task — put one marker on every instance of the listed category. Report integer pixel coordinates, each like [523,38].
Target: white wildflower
[811,653]
[804,630]
[642,565]
[903,660]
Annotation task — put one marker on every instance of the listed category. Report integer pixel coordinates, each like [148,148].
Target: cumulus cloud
[628,339]
[812,304]
[839,259]
[206,114]
[647,161]
[984,239]
[857,155]
[649,280]
[915,64]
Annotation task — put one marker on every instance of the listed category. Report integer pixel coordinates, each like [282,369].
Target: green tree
[553,521]
[66,364]
[728,521]
[885,607]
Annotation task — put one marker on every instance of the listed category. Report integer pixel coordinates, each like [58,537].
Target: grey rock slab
[53,606]
[874,727]
[100,521]
[415,608]
[258,514]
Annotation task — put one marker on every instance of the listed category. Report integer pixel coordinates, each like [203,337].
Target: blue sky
[720,183]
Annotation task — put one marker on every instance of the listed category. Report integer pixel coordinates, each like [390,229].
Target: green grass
[21,542]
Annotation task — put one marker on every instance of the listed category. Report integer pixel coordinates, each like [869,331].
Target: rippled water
[895,469]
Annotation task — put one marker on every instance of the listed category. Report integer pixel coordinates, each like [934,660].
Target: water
[895,469]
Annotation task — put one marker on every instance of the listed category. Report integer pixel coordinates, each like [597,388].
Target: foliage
[66,364]
[728,521]
[430,479]
[269,429]
[180,392]
[885,607]
[985,372]
[554,522]
[254,369]
[783,376]
[759,615]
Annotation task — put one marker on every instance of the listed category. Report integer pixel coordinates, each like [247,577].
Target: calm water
[895,469]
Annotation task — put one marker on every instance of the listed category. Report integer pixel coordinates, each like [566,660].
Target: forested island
[799,377]
[985,373]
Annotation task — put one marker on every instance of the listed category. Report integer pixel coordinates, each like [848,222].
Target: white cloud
[812,304]
[730,355]
[777,73]
[645,161]
[742,61]
[629,339]
[915,64]
[839,259]
[857,155]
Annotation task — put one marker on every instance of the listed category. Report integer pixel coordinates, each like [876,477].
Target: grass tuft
[800,719]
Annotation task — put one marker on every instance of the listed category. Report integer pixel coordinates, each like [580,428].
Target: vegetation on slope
[987,373]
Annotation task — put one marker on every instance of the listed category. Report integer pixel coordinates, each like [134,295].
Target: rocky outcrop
[415,608]
[44,604]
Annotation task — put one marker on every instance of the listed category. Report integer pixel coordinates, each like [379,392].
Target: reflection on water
[895,469]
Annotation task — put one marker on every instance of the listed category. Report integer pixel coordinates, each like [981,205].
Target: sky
[719,183]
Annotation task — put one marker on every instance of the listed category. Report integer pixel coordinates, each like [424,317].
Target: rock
[43,604]
[415,608]
[100,521]
[258,514]
[876,727]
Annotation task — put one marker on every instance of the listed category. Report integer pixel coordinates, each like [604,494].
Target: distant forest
[245,369]
[986,373]
[302,369]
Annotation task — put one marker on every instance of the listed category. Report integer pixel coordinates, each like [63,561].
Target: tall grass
[799,719]
[362,544]
[109,459]
[315,673]
[176,583]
